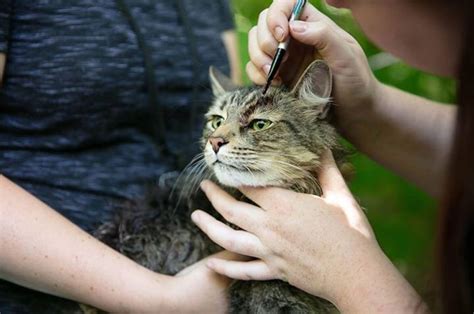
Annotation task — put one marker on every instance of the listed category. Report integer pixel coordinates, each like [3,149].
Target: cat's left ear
[220,83]
[314,87]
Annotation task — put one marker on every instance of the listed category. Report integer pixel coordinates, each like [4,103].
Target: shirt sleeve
[5,11]
[226,14]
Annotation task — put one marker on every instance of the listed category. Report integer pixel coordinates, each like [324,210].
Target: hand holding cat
[204,290]
[323,245]
[354,84]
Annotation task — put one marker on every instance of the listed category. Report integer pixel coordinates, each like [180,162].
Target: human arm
[226,25]
[2,66]
[229,38]
[408,134]
[42,250]
[5,11]
[322,245]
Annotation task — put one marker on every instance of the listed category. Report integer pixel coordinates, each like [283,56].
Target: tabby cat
[250,139]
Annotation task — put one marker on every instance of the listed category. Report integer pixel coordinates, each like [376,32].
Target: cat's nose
[217,142]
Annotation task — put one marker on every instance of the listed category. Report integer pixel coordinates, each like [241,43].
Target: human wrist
[151,295]
[374,285]
[359,114]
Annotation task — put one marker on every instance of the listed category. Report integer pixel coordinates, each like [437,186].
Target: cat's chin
[232,177]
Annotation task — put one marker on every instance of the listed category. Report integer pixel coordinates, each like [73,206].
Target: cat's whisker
[189,172]
[199,176]
[250,171]
[195,176]
[188,167]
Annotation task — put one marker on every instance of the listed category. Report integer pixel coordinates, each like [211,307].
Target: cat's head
[274,139]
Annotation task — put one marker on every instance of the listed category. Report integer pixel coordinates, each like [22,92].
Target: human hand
[314,36]
[322,245]
[198,289]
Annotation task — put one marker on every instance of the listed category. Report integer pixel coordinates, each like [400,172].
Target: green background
[403,217]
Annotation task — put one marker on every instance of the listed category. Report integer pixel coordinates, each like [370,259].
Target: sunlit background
[404,218]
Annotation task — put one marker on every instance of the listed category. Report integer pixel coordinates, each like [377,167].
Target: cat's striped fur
[158,233]
[287,153]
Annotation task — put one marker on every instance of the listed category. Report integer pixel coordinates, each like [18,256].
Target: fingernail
[203,185]
[298,26]
[279,33]
[195,216]
[266,68]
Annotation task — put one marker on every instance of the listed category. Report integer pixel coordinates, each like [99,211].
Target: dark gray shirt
[78,127]
[74,106]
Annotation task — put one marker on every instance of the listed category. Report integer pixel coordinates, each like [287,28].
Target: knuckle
[251,72]
[266,252]
[257,59]
[247,276]
[254,74]
[279,270]
[267,44]
[230,245]
[267,232]
[249,67]
[325,28]
[252,32]
[228,212]
[222,205]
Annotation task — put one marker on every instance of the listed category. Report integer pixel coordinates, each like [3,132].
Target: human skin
[230,43]
[2,67]
[296,237]
[322,245]
[399,130]
[42,250]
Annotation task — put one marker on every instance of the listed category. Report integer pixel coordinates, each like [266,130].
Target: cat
[251,139]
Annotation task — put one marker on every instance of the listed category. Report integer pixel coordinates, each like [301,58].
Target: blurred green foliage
[402,216]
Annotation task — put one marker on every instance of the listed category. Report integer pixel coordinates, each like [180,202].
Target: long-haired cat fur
[250,139]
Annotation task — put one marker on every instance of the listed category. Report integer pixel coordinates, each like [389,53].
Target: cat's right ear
[220,83]
[314,87]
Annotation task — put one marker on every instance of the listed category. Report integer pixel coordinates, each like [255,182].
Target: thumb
[333,185]
[336,192]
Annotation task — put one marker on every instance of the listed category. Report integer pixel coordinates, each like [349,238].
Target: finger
[244,215]
[256,75]
[237,241]
[266,42]
[257,56]
[332,182]
[269,198]
[253,270]
[230,256]
[278,15]
[226,255]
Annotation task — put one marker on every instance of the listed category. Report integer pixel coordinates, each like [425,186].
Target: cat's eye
[260,124]
[215,122]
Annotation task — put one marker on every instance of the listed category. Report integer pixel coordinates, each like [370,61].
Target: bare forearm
[2,66]
[378,287]
[231,45]
[42,250]
[406,133]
